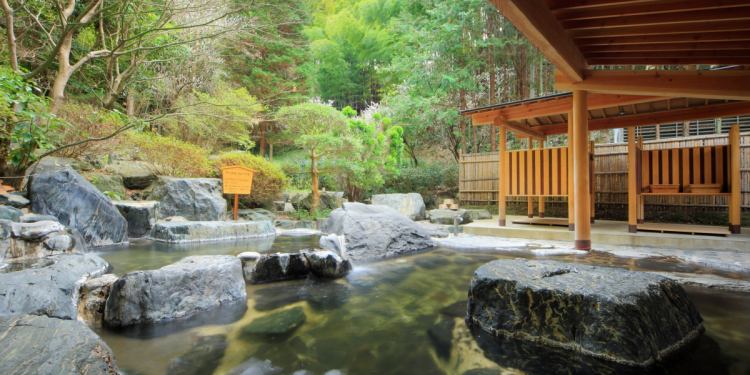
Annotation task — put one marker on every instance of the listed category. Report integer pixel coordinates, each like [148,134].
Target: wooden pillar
[592,182]
[529,198]
[581,180]
[632,183]
[734,181]
[502,164]
[640,199]
[571,148]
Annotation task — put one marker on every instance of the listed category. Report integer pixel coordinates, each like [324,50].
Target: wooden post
[632,183]
[571,148]
[529,198]
[236,208]
[581,194]
[592,182]
[541,198]
[502,191]
[735,193]
[639,176]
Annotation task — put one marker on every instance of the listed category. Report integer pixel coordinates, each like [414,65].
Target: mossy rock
[277,324]
[107,184]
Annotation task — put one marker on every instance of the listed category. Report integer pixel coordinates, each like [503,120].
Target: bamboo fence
[477,174]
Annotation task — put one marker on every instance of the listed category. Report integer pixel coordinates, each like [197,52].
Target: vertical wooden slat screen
[538,172]
[478,173]
[688,165]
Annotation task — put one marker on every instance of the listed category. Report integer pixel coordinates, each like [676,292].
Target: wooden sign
[237,180]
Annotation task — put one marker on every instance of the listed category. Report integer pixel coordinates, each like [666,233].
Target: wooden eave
[548,115]
[578,35]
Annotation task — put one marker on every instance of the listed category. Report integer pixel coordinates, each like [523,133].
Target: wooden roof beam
[655,118]
[725,84]
[690,17]
[534,19]
[556,107]
[679,28]
[702,37]
[649,7]
[519,129]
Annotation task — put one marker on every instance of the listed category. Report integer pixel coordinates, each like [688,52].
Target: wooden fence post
[734,200]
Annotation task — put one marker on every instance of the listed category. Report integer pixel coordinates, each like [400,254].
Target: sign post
[237,180]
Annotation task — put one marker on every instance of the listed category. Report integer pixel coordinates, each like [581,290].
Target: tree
[320,130]
[377,149]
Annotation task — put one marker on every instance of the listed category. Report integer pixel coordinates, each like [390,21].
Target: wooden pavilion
[606,53]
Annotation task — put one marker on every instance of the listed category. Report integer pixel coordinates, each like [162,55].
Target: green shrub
[170,156]
[268,181]
[432,180]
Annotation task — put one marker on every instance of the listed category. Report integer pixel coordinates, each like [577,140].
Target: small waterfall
[335,243]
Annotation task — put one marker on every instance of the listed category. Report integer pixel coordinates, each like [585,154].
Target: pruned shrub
[268,181]
[170,156]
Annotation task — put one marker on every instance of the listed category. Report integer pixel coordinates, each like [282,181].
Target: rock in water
[327,264]
[198,199]
[256,367]
[376,232]
[448,217]
[141,216]
[67,196]
[42,345]
[202,358]
[49,290]
[411,204]
[631,318]
[180,290]
[276,324]
[278,267]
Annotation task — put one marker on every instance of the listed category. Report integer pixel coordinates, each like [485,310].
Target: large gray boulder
[198,199]
[50,288]
[92,298]
[631,318]
[411,204]
[276,267]
[193,285]
[448,217]
[376,232]
[205,231]
[140,215]
[135,174]
[67,196]
[46,346]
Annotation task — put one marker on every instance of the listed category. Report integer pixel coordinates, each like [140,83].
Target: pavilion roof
[548,115]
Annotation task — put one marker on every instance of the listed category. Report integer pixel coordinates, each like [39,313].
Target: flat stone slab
[205,231]
[631,318]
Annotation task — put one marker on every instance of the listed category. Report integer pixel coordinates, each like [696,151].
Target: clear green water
[376,321]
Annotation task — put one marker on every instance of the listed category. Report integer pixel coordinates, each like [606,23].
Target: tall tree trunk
[262,140]
[130,104]
[64,71]
[462,103]
[11,34]
[314,174]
